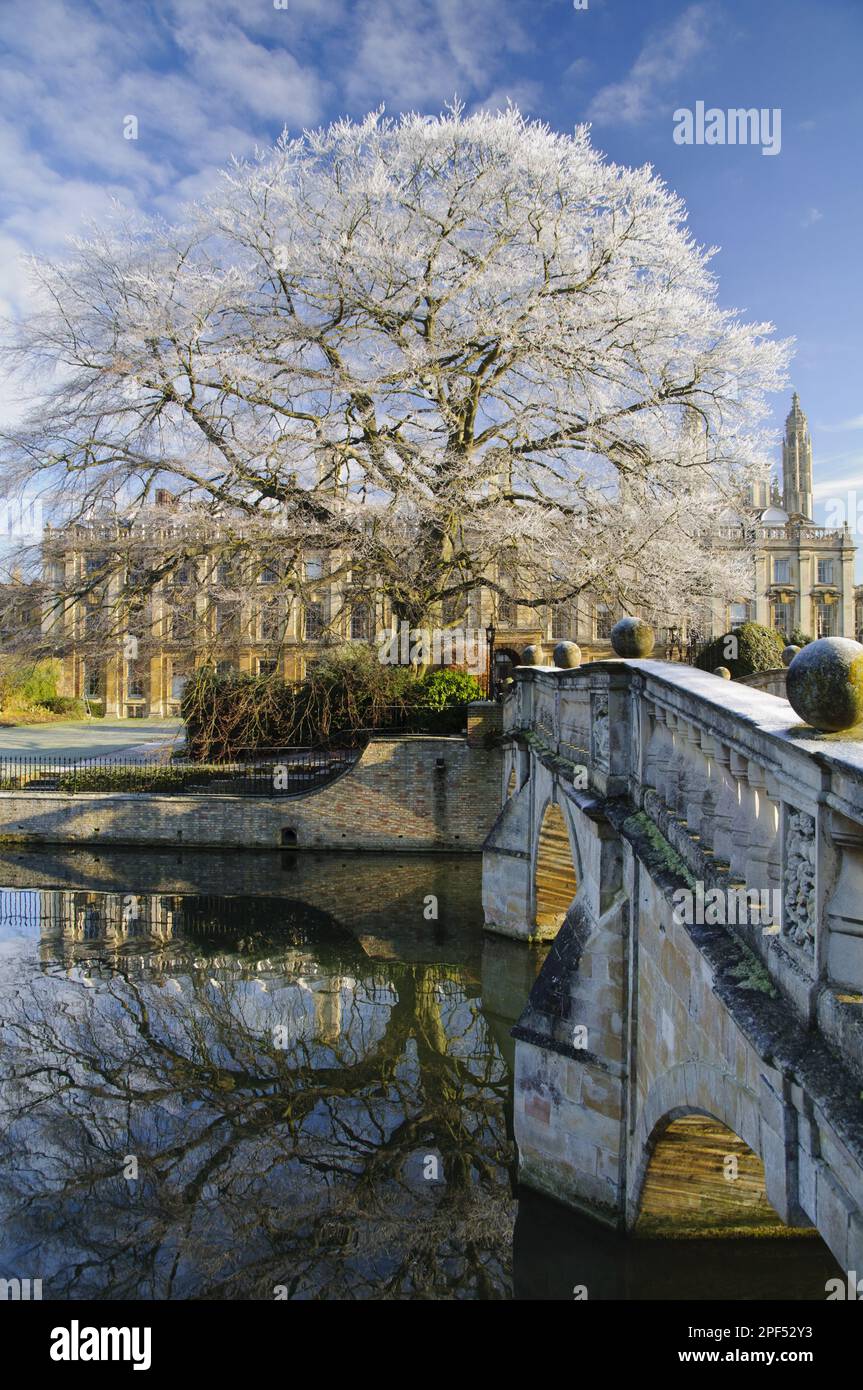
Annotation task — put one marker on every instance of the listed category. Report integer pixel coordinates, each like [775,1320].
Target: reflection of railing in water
[169,933]
[91,916]
[28,911]
[79,915]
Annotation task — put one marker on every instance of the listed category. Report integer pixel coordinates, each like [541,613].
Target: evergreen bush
[758,648]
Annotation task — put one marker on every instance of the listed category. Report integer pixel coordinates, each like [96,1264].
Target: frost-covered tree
[438,350]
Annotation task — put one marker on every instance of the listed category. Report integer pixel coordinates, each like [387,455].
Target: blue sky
[208,78]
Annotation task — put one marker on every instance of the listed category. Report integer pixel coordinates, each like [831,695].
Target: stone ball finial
[632,637]
[722,671]
[789,654]
[567,655]
[825,684]
[531,656]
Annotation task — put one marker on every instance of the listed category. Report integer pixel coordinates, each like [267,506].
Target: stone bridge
[689,1060]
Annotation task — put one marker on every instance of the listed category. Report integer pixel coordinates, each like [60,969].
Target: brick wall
[484,718]
[413,793]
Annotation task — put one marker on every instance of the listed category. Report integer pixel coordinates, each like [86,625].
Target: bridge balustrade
[746,795]
[628,783]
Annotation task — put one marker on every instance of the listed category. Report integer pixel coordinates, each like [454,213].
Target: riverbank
[416,792]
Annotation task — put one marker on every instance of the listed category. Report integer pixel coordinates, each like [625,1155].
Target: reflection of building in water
[308,990]
[327,997]
[74,918]
[153,933]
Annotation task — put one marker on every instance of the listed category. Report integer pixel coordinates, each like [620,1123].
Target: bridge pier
[643,1015]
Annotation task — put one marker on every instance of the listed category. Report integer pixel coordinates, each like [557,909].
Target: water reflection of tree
[259,1165]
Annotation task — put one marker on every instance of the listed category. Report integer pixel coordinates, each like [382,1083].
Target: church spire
[797,463]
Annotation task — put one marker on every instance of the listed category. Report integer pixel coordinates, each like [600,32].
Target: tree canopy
[437,350]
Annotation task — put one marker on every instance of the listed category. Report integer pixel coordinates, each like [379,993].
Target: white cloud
[662,59]
[207,79]
[837,487]
[578,69]
[269,83]
[71,74]
[421,53]
[812,216]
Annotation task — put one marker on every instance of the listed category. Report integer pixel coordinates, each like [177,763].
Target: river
[288,1076]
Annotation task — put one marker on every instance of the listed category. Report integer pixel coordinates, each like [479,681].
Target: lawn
[86,738]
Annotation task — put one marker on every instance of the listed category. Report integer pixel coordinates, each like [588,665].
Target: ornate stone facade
[803,574]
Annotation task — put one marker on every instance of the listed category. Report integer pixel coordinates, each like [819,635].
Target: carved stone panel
[799,916]
[599,731]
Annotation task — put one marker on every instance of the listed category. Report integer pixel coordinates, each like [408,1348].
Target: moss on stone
[547,754]
[825,684]
[852,735]
[751,974]
[665,855]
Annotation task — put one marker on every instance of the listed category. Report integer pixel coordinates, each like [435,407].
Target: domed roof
[774,516]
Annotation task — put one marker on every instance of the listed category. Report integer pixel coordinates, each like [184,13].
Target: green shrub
[347,689]
[442,688]
[66,705]
[28,682]
[39,683]
[139,779]
[799,638]
[758,649]
[120,779]
[28,691]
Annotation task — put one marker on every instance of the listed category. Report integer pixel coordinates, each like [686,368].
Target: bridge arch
[701,1179]
[697,1090]
[516,771]
[693,1087]
[556,869]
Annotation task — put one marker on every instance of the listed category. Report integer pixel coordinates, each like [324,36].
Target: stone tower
[759,489]
[797,463]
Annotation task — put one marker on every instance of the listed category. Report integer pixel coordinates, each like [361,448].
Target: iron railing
[388,720]
[286,771]
[288,774]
